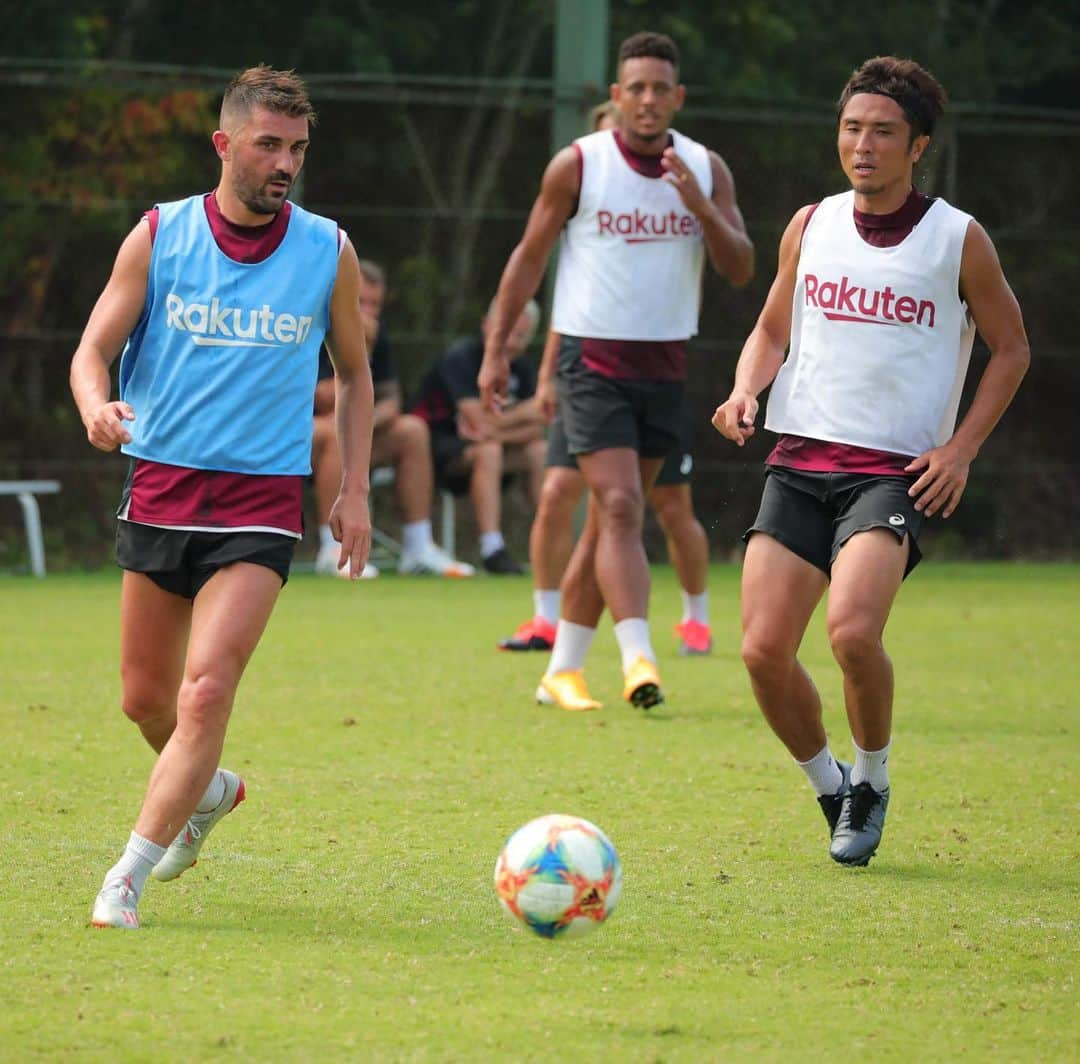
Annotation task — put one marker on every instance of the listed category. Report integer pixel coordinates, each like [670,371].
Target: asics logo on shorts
[213,325]
[896,520]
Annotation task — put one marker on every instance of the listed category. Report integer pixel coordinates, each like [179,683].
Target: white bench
[26,491]
[383,477]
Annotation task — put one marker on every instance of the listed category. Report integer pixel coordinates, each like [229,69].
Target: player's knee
[764,657]
[204,701]
[144,703]
[558,497]
[854,642]
[621,507]
[414,433]
[668,513]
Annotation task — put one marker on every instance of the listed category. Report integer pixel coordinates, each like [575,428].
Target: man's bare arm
[525,269]
[944,470]
[763,353]
[723,229]
[350,519]
[111,322]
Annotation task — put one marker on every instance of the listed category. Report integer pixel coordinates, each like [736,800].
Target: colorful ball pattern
[559,876]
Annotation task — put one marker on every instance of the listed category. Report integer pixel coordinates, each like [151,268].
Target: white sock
[695,607]
[416,536]
[572,642]
[547,604]
[490,542]
[870,765]
[214,795]
[633,637]
[823,772]
[326,538]
[140,855]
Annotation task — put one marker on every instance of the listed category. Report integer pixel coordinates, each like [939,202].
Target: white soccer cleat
[184,851]
[433,561]
[326,564]
[116,905]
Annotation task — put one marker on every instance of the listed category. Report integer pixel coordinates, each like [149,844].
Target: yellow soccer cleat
[643,684]
[566,690]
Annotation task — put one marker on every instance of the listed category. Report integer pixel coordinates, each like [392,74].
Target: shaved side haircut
[280,91]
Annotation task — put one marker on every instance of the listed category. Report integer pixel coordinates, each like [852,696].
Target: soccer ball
[559,876]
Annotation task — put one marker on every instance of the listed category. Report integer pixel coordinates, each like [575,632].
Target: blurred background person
[399,440]
[474,450]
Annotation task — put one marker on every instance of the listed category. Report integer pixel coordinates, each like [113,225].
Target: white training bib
[880,338]
[630,258]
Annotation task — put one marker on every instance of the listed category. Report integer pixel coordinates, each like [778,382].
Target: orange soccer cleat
[534,634]
[643,684]
[566,690]
[694,638]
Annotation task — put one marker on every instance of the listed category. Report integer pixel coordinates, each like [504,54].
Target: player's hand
[105,429]
[350,523]
[680,176]
[494,381]
[944,476]
[475,424]
[547,400]
[734,418]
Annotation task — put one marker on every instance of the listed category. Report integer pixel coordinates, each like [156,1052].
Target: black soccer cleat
[832,803]
[502,563]
[860,824]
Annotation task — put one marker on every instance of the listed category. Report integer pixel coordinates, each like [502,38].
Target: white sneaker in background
[326,564]
[433,561]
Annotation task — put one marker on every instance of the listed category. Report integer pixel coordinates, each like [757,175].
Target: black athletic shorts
[446,451]
[181,562]
[815,514]
[677,467]
[601,412]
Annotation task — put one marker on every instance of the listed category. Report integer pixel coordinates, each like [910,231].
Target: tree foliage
[434,130]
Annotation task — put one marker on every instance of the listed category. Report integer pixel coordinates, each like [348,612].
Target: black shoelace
[863,801]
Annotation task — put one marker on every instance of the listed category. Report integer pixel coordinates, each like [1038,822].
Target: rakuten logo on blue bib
[213,325]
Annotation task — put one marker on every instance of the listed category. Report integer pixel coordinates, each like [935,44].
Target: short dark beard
[258,203]
[261,204]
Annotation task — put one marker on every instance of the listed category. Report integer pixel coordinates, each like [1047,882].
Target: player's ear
[680,96]
[221,143]
[919,146]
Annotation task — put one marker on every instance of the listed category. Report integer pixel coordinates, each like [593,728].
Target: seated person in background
[400,440]
[472,450]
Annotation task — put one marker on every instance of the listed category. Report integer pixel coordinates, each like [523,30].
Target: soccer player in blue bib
[220,303]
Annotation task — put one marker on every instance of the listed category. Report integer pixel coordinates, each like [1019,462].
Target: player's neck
[232,210]
[641,146]
[886,201]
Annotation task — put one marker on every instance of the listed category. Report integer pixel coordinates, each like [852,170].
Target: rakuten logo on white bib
[213,325]
[843,301]
[639,227]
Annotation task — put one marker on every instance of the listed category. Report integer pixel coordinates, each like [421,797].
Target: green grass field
[345,911]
